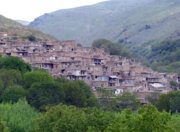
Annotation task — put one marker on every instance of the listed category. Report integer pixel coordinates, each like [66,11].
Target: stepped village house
[94,66]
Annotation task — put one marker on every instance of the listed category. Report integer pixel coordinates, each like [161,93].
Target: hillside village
[94,66]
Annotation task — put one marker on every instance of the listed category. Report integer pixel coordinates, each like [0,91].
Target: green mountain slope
[165,56]
[11,27]
[130,22]
[87,23]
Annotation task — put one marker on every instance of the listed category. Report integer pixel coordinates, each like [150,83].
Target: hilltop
[131,22]
[14,28]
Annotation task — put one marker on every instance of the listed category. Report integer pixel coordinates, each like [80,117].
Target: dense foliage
[125,100]
[39,87]
[14,63]
[36,76]
[78,93]
[45,93]
[71,106]
[19,117]
[118,102]
[165,56]
[169,102]
[63,118]
[13,94]
[153,97]
[112,48]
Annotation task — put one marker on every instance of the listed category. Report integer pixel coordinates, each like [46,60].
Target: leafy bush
[13,94]
[125,100]
[36,76]
[169,102]
[175,122]
[110,47]
[78,93]
[31,38]
[45,93]
[165,56]
[3,128]
[15,63]
[62,118]
[9,78]
[153,97]
[19,117]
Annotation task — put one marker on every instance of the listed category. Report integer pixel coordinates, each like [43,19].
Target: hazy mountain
[133,22]
[23,22]
[88,22]
[12,27]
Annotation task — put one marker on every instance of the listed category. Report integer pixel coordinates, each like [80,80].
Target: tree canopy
[45,93]
[13,94]
[169,102]
[125,100]
[112,48]
[36,76]
[70,118]
[165,56]
[15,63]
[78,93]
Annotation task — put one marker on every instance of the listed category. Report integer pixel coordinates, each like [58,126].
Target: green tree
[169,102]
[78,93]
[45,93]
[13,94]
[31,38]
[15,63]
[148,119]
[106,96]
[151,119]
[153,97]
[3,128]
[110,47]
[125,100]
[36,76]
[165,56]
[19,117]
[174,84]
[62,118]
[98,119]
[9,78]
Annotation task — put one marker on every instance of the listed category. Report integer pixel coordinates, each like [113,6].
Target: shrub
[19,117]
[9,78]
[15,63]
[13,94]
[45,93]
[36,76]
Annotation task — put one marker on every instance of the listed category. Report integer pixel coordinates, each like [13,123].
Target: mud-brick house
[94,66]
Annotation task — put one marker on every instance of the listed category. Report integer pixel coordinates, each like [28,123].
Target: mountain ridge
[80,23]
[128,22]
[16,29]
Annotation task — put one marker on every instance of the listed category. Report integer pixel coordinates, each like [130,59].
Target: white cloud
[30,9]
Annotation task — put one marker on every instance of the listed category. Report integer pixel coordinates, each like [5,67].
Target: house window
[121,81]
[88,78]
[132,81]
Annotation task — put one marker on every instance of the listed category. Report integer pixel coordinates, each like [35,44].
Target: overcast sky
[30,9]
